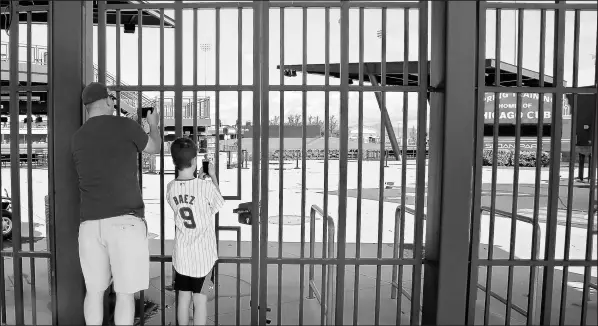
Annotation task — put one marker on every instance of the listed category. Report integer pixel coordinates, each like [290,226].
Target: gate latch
[244,212]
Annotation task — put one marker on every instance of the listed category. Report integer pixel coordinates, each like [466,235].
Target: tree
[275,121]
[294,120]
[333,126]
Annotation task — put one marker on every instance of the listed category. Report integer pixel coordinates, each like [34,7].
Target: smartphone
[206,166]
[145,110]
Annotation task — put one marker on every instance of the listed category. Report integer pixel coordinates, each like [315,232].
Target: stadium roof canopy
[394,73]
[151,17]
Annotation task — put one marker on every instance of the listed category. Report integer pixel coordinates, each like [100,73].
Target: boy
[194,201]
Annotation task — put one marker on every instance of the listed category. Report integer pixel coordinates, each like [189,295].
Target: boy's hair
[183,151]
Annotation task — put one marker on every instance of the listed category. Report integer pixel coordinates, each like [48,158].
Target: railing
[536,254]
[203,109]
[130,97]
[38,52]
[328,284]
[40,56]
[399,225]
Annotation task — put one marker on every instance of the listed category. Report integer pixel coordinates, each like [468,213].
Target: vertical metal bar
[281,166]
[515,196]
[532,291]
[394,292]
[312,250]
[420,162]
[162,206]
[217,154]
[239,104]
[593,165]
[326,161]
[555,153]
[15,177]
[50,105]
[101,41]
[2,270]
[255,156]
[139,114]
[359,168]
[239,150]
[178,70]
[29,174]
[331,274]
[303,162]
[195,105]
[381,168]
[494,168]
[478,168]
[265,137]
[566,256]
[399,277]
[343,164]
[118,99]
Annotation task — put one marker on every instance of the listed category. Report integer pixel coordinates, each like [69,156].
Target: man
[113,244]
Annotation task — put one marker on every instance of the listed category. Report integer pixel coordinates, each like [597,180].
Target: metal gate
[27,293]
[549,244]
[311,253]
[273,254]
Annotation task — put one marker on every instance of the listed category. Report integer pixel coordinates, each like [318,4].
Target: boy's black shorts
[188,283]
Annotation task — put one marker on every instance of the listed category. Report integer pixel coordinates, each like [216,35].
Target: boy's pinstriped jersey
[194,202]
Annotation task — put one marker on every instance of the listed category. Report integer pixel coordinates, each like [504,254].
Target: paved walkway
[227,312]
[291,282]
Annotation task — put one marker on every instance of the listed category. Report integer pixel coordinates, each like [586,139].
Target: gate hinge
[436,89]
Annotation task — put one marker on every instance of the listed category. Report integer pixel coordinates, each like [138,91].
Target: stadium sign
[530,108]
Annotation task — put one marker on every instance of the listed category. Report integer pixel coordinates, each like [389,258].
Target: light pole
[205,47]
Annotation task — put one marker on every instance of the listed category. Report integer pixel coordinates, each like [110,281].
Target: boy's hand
[211,170]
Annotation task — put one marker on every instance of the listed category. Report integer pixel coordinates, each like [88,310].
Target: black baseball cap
[94,92]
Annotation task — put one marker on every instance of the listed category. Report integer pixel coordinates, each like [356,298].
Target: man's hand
[155,141]
[153,117]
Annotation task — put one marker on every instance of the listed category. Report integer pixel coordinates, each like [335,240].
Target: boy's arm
[216,199]
[212,174]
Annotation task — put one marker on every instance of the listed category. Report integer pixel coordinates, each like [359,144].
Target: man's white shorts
[115,249]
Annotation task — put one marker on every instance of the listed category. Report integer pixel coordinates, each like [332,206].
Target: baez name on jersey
[183,199]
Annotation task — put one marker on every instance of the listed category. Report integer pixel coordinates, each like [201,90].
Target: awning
[394,73]
[151,17]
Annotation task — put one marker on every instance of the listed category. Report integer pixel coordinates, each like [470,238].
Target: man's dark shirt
[105,153]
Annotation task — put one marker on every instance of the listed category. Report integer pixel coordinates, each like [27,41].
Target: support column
[386,118]
[452,131]
[70,37]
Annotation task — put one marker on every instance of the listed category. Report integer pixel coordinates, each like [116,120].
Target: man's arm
[154,142]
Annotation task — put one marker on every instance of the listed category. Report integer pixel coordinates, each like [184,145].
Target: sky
[206,68]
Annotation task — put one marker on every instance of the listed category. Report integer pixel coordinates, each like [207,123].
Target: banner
[530,108]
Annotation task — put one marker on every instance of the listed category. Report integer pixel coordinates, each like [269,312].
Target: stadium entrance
[319,226]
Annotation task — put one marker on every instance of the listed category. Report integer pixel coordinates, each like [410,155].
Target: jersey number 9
[188,218]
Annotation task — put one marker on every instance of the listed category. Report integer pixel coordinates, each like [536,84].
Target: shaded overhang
[395,76]
[150,17]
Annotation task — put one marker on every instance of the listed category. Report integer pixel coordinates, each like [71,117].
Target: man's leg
[124,312]
[129,260]
[93,307]
[95,265]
